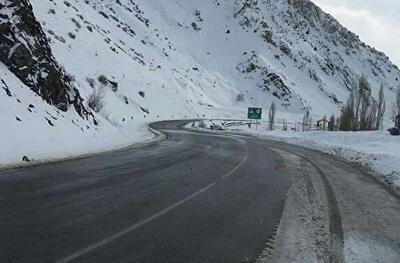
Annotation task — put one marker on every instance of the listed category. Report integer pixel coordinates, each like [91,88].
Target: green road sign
[254,113]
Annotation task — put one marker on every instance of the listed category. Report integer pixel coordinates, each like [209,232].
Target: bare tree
[355,102]
[284,125]
[347,116]
[322,123]
[365,102]
[372,117]
[337,124]
[331,124]
[362,111]
[240,97]
[381,109]
[271,116]
[306,121]
[96,100]
[396,105]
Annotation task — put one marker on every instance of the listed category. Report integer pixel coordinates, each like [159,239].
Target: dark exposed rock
[145,110]
[195,26]
[103,80]
[49,122]
[114,85]
[24,49]
[251,67]
[103,14]
[273,80]
[71,35]
[285,48]
[6,88]
[268,36]
[26,159]
[7,92]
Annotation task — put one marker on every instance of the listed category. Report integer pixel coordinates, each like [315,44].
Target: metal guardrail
[278,125]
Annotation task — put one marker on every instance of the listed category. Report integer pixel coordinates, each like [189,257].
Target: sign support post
[254,114]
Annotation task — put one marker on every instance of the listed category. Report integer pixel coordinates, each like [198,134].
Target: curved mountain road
[197,197]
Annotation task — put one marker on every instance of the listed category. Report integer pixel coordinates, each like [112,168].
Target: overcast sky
[377,22]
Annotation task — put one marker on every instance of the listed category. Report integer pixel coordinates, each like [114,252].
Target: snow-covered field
[377,151]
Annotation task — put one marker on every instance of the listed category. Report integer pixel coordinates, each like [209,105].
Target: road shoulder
[156,137]
[343,215]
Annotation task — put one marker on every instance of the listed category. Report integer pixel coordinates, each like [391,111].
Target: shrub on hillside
[96,100]
[103,80]
[240,97]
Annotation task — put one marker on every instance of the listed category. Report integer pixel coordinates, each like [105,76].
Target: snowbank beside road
[377,151]
[50,146]
[33,129]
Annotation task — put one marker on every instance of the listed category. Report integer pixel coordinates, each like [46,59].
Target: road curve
[198,197]
[194,197]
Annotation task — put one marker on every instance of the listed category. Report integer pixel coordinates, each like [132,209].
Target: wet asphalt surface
[194,197]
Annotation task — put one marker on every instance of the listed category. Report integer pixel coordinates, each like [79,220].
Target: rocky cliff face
[24,49]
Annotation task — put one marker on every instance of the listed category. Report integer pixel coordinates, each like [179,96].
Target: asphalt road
[194,197]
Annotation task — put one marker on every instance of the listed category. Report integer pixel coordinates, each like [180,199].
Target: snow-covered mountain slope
[190,56]
[34,129]
[152,59]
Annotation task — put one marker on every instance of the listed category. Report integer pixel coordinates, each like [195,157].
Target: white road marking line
[153,217]
[132,228]
[246,156]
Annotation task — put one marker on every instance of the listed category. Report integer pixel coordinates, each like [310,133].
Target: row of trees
[362,111]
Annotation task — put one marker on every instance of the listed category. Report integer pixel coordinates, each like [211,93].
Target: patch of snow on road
[364,250]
